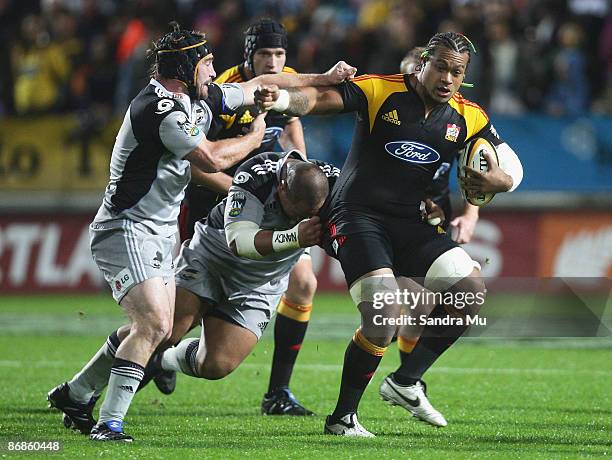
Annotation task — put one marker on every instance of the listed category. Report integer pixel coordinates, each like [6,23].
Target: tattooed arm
[301,101]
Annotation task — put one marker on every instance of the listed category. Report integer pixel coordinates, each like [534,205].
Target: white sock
[122,385]
[92,379]
[182,358]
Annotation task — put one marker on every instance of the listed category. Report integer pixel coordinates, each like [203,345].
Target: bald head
[305,188]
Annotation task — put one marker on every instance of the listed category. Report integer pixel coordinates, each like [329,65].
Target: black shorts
[368,241]
[198,202]
[445,203]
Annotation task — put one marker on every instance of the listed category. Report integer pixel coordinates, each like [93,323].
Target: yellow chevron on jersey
[246,118]
[475,117]
[234,75]
[399,145]
[377,89]
[228,120]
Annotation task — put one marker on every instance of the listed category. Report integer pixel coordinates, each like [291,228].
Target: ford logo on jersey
[412,152]
[271,134]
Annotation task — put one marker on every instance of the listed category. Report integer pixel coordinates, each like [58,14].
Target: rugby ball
[473,156]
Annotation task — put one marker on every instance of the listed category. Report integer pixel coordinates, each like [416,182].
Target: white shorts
[251,307]
[128,252]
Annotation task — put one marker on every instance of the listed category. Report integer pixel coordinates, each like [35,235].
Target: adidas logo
[246,118]
[391,117]
[127,388]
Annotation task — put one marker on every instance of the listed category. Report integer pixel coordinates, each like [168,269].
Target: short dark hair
[306,183]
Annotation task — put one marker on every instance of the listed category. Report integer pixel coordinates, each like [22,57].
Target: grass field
[521,399]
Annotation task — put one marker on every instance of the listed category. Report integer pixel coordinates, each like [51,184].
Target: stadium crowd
[552,56]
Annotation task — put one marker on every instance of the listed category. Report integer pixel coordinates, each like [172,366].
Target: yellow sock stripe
[366,345]
[294,311]
[405,344]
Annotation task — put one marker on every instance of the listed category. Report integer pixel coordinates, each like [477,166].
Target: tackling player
[264,53]
[231,275]
[407,125]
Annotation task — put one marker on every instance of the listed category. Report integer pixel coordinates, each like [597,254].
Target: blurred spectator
[604,104]
[591,15]
[68,47]
[467,19]
[132,66]
[504,53]
[93,85]
[412,60]
[569,94]
[41,69]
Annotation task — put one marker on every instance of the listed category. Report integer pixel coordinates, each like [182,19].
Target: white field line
[338,367]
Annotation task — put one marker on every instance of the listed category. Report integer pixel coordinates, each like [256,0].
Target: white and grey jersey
[253,197]
[148,172]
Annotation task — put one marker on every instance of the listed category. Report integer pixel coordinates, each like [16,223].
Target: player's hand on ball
[266,96]
[309,232]
[340,72]
[434,213]
[492,181]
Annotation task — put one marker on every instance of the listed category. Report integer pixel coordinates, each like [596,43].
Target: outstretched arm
[336,75]
[246,239]
[301,101]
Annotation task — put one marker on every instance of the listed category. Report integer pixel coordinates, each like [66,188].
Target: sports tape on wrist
[283,240]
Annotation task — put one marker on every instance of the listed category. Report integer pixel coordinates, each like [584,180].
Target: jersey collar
[182,98]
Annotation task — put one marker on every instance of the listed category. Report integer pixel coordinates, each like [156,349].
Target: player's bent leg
[293,315]
[225,345]
[375,297]
[302,282]
[222,346]
[453,271]
[150,309]
[188,312]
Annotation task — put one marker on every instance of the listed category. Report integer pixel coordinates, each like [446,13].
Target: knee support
[448,269]
[370,289]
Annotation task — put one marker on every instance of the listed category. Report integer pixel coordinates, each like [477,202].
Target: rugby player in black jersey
[462,228]
[407,126]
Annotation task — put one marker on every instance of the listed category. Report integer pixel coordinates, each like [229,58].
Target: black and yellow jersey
[232,125]
[396,150]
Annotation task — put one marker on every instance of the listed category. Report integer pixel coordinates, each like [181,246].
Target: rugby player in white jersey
[233,272]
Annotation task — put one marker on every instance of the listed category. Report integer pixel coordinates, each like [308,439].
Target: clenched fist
[266,96]
[309,232]
[340,72]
